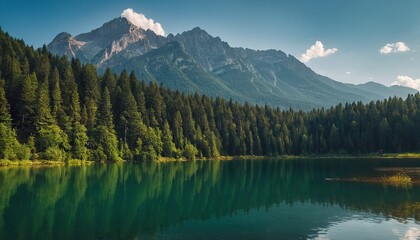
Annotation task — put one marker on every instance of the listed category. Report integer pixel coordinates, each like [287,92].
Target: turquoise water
[259,199]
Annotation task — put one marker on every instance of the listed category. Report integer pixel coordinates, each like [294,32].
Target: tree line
[55,109]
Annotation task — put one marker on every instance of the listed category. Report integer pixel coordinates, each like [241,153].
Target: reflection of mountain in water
[124,201]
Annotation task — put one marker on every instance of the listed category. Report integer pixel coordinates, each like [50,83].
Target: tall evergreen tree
[5,117]
[168,149]
[130,124]
[27,106]
[10,148]
[177,130]
[57,110]
[77,133]
[91,93]
[104,137]
[51,141]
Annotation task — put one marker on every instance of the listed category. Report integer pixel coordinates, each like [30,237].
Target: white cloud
[401,47]
[394,48]
[386,49]
[141,21]
[315,51]
[348,73]
[407,81]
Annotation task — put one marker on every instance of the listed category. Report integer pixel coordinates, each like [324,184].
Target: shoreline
[75,162]
[42,163]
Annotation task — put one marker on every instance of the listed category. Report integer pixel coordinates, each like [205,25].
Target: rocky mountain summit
[195,61]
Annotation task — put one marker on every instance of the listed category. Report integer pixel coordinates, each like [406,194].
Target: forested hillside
[55,109]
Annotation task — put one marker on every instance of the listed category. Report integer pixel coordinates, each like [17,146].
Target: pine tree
[57,101]
[385,135]
[67,85]
[334,140]
[155,101]
[177,130]
[104,136]
[105,110]
[43,111]
[91,93]
[108,81]
[27,106]
[152,144]
[213,145]
[5,117]
[10,148]
[130,124]
[168,149]
[190,151]
[77,133]
[42,67]
[51,141]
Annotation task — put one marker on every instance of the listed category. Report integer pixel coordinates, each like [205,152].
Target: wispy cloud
[142,21]
[407,81]
[394,48]
[315,51]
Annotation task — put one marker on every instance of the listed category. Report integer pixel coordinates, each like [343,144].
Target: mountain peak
[112,29]
[198,34]
[62,36]
[197,29]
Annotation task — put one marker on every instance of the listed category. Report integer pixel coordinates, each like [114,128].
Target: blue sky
[353,30]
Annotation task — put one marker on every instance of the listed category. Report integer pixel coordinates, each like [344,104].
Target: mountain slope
[172,62]
[381,90]
[195,61]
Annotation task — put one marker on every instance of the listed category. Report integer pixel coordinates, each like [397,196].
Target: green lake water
[247,199]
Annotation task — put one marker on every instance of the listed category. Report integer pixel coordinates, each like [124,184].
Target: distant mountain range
[194,61]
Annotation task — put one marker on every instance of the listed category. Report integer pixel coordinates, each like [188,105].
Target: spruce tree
[104,137]
[57,101]
[10,148]
[105,111]
[91,93]
[5,117]
[77,133]
[27,106]
[67,85]
[50,140]
[168,149]
[177,130]
[130,124]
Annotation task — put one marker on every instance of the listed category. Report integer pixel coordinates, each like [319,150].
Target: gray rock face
[195,61]
[102,44]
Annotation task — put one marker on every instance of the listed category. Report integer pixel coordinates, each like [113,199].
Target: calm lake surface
[259,199]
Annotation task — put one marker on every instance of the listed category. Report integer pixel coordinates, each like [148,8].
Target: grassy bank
[75,162]
[38,163]
[229,158]
[399,179]
[320,156]
[401,155]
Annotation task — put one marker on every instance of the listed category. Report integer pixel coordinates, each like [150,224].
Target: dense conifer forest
[55,109]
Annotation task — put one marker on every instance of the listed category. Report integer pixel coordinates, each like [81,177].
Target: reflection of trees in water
[122,201]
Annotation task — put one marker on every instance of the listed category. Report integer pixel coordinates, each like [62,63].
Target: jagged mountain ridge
[195,61]
[102,44]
